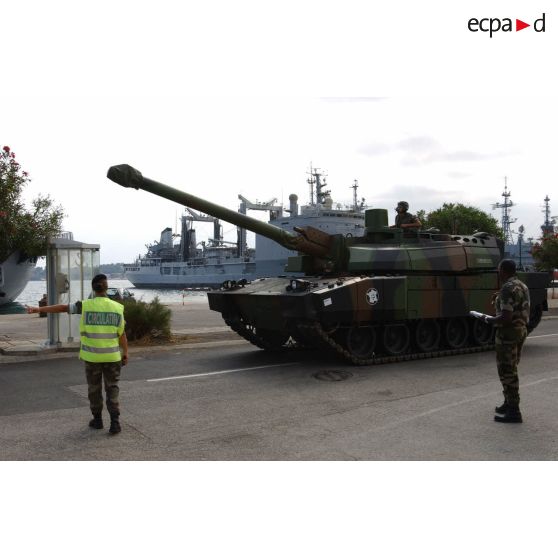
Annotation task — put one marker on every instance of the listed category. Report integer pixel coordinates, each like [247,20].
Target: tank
[389,295]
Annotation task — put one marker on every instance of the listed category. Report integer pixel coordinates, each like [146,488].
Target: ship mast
[356,205]
[506,212]
[316,179]
[548,226]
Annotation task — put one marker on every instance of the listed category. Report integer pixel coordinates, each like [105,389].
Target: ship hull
[14,276]
[183,276]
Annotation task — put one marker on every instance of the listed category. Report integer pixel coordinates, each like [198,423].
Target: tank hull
[395,315]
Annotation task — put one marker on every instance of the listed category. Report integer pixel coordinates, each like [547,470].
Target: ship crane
[275,212]
[221,242]
[217,232]
[259,206]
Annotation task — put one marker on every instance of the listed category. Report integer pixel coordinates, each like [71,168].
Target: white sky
[226,98]
[427,150]
[221,98]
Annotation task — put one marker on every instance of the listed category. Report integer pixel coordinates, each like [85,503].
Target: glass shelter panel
[71,266]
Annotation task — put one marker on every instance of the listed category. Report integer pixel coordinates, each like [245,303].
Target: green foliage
[456,218]
[545,253]
[147,319]
[20,229]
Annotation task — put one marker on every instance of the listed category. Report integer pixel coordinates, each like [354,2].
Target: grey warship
[187,264]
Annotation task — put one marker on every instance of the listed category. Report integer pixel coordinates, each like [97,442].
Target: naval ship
[15,272]
[187,264]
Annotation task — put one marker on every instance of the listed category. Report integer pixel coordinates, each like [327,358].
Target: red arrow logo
[519,25]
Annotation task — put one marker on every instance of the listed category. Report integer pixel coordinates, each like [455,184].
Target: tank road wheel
[272,340]
[456,333]
[427,336]
[481,333]
[396,339]
[361,341]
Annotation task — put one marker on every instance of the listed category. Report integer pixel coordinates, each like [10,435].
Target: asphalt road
[236,402]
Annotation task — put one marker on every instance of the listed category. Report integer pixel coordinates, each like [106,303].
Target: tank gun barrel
[306,241]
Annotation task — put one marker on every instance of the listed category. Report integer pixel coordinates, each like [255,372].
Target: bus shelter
[70,267]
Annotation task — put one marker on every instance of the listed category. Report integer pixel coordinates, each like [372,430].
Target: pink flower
[6,149]
[25,173]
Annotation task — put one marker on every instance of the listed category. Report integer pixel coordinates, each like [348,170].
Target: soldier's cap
[403,204]
[508,266]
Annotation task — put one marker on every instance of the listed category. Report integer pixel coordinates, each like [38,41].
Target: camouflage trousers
[508,355]
[95,372]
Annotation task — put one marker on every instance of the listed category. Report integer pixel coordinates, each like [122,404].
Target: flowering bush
[545,253]
[22,230]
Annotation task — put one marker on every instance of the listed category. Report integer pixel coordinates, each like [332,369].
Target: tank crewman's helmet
[403,205]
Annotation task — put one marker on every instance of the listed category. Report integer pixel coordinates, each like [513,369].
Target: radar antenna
[320,183]
[506,211]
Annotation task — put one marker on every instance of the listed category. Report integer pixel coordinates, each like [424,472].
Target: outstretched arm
[53,309]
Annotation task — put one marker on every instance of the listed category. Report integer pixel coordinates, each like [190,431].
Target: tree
[545,253]
[22,230]
[456,218]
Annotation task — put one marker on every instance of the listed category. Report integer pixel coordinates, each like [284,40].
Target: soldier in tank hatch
[512,316]
[404,219]
[104,348]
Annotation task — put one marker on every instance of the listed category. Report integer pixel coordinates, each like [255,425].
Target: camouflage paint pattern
[513,297]
[389,275]
[508,356]
[95,372]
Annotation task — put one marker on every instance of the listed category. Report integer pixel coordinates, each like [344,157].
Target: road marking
[457,404]
[217,372]
[546,335]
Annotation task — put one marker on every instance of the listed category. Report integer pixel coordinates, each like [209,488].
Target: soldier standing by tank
[102,337]
[512,316]
[405,220]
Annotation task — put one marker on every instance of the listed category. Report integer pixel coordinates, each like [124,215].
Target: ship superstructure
[189,264]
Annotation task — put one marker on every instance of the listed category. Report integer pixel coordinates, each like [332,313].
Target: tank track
[388,359]
[247,333]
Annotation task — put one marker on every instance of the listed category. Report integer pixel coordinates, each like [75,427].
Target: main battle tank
[389,295]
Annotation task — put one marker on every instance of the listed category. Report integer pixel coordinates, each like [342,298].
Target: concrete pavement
[24,335]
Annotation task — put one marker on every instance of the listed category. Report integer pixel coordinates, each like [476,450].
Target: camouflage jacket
[404,219]
[514,297]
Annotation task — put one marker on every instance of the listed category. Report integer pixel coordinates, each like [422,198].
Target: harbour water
[34,291]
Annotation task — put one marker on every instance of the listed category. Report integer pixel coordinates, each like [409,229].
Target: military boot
[115,424]
[512,414]
[96,422]
[501,410]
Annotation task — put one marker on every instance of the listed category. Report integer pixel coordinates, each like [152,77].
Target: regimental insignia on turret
[372,296]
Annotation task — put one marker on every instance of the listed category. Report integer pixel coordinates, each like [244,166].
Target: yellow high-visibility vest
[102,323]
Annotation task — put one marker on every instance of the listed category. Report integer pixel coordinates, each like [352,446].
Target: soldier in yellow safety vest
[104,348]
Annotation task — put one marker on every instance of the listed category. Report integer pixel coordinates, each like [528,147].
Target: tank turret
[388,295]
